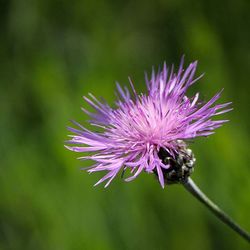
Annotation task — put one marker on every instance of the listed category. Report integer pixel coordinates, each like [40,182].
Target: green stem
[195,191]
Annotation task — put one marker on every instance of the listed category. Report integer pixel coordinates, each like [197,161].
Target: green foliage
[52,53]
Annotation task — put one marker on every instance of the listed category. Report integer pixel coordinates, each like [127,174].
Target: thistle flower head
[148,132]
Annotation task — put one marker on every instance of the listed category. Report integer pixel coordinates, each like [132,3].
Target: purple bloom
[140,127]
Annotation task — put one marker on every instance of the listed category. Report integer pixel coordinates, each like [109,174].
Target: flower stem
[195,191]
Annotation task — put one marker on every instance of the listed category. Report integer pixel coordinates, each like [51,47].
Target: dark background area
[54,52]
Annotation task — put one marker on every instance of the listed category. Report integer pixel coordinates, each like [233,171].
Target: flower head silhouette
[147,132]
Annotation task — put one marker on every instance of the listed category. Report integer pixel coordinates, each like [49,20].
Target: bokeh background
[54,52]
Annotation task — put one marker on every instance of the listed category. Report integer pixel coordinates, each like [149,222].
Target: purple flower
[137,131]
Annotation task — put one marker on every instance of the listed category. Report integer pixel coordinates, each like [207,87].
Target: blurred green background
[52,53]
